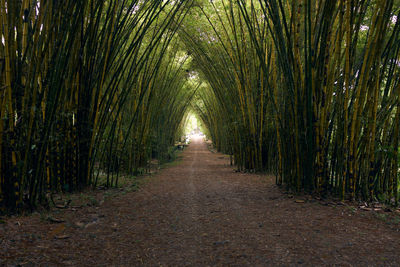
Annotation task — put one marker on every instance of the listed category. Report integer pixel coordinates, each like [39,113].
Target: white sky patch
[193,75]
[364,28]
[182,58]
[204,36]
[394,19]
[37,8]
[137,7]
[170,2]
[212,39]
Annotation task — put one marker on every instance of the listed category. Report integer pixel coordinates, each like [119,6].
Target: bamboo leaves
[326,69]
[306,89]
[335,125]
[69,67]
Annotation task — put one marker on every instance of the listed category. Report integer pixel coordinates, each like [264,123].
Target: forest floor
[200,212]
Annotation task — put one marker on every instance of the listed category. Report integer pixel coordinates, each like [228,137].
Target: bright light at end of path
[196,137]
[192,128]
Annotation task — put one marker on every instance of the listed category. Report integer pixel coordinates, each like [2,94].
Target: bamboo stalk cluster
[233,102]
[308,89]
[80,90]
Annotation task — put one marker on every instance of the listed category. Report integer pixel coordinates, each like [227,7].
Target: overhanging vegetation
[309,90]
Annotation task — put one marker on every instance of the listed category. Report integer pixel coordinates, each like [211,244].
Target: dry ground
[201,213]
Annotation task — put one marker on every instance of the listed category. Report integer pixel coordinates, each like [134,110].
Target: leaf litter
[201,213]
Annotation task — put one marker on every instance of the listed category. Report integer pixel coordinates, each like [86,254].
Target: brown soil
[201,213]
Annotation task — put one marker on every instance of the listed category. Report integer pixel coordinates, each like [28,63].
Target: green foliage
[308,90]
[83,89]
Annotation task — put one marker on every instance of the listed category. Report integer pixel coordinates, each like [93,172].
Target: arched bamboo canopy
[307,90]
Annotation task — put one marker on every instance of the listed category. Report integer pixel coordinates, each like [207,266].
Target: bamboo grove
[83,90]
[306,89]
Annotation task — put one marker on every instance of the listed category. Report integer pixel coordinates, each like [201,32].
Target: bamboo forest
[303,92]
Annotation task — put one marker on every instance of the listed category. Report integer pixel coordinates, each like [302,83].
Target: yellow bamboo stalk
[8,74]
[372,121]
[395,159]
[25,16]
[346,96]
[276,117]
[8,103]
[357,102]
[96,113]
[34,91]
[2,101]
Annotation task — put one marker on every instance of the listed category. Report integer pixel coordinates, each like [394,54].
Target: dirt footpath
[201,213]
